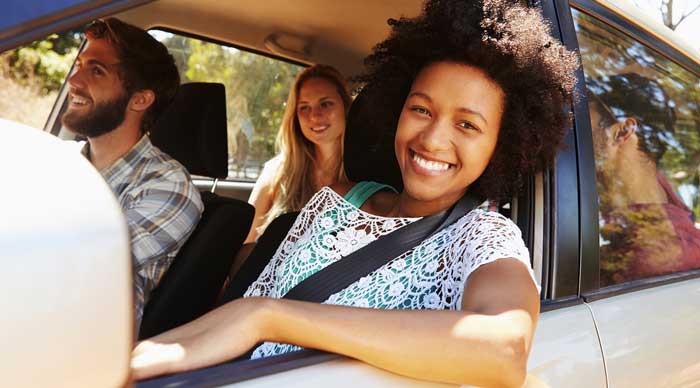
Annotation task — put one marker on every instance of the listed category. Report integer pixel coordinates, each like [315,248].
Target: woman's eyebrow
[473,112]
[420,94]
[320,99]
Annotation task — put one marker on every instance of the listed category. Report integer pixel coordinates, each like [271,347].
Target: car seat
[193,130]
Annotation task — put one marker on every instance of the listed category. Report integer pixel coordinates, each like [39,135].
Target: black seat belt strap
[339,275]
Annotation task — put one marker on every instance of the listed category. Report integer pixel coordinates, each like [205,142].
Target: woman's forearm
[448,346]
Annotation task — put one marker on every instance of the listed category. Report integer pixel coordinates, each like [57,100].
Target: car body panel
[566,351]
[67,302]
[341,373]
[664,321]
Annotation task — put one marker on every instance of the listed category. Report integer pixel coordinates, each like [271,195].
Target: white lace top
[430,276]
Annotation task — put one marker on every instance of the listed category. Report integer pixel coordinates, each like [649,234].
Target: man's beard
[103,118]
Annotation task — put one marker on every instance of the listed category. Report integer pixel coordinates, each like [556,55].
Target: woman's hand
[218,336]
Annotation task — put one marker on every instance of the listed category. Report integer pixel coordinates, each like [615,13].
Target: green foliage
[42,64]
[256,89]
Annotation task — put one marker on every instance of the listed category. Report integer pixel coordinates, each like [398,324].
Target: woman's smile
[425,165]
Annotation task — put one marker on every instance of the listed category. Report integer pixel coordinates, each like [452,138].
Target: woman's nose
[435,136]
[317,112]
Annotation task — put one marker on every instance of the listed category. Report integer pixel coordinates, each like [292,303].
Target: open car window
[257,87]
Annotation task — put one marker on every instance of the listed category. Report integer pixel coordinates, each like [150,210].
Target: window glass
[645,119]
[31,75]
[256,92]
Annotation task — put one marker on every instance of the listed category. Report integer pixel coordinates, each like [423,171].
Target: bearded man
[122,81]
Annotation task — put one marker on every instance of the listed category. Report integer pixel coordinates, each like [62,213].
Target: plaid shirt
[162,208]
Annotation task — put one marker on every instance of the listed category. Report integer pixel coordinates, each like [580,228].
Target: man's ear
[625,129]
[142,100]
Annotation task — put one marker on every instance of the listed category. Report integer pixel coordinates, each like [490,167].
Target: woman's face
[447,131]
[321,112]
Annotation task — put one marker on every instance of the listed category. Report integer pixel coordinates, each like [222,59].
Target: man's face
[603,144]
[97,101]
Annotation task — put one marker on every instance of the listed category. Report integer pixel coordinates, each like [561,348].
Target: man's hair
[646,101]
[144,63]
[508,42]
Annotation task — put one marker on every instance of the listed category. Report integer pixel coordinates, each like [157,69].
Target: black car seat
[365,150]
[193,131]
[258,258]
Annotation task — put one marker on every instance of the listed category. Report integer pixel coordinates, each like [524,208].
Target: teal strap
[359,193]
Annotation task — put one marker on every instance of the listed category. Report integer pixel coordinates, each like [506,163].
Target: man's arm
[160,219]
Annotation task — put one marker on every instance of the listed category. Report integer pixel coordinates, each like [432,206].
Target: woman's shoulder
[342,188]
[482,224]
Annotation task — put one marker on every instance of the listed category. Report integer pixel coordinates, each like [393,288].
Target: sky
[689,29]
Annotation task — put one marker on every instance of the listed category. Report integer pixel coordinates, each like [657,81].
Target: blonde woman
[310,144]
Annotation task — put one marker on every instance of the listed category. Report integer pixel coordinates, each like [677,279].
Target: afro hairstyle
[513,46]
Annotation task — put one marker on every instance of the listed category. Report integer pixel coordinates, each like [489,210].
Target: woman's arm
[486,344]
[262,198]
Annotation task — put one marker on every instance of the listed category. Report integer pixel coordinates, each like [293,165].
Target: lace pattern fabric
[430,276]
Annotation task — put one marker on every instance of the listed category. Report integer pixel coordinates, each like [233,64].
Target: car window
[256,91]
[31,76]
[645,118]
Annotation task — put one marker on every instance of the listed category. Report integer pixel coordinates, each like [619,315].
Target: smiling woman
[310,143]
[465,129]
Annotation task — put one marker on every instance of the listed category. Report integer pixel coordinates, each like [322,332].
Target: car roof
[636,16]
[339,33]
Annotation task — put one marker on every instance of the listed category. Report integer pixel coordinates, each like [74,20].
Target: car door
[643,285]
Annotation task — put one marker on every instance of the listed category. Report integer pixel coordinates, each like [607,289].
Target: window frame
[590,289]
[208,181]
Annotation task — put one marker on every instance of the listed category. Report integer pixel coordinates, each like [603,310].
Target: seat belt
[339,275]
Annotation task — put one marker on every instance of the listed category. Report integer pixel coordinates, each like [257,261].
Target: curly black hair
[512,45]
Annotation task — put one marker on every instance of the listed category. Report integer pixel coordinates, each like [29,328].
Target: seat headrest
[192,129]
[369,143]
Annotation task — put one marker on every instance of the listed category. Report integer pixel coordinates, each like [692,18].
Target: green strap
[359,193]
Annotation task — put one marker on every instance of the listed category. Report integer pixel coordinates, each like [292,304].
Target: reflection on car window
[256,91]
[645,119]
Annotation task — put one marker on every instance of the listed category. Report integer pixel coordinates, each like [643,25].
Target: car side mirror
[66,280]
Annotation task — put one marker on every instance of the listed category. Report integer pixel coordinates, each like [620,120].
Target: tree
[667,9]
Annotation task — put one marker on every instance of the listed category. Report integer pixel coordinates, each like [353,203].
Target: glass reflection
[646,134]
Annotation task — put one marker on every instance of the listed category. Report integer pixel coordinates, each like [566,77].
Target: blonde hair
[293,181]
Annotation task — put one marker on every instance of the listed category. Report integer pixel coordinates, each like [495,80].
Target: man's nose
[76,79]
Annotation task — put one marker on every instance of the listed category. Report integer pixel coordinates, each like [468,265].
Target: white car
[620,292]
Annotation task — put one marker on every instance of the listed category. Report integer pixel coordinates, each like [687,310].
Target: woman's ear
[625,129]
[142,100]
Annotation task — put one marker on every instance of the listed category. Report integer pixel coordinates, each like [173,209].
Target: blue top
[359,193]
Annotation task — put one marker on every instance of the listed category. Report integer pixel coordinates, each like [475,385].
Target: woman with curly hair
[310,144]
[476,94]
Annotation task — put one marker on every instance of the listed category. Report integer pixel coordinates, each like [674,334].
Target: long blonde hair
[293,183]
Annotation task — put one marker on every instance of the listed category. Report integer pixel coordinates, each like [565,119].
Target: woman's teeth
[320,128]
[429,164]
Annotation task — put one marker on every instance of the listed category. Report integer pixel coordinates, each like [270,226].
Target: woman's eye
[468,126]
[97,71]
[326,104]
[303,109]
[420,110]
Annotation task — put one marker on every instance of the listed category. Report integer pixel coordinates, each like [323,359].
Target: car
[620,296]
